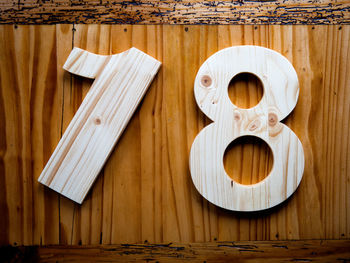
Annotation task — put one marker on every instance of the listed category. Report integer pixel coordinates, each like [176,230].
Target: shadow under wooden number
[121,81]
[281,90]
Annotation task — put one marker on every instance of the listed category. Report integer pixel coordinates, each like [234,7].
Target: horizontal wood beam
[175,12]
[251,251]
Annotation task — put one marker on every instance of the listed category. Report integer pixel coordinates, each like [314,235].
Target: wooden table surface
[145,193]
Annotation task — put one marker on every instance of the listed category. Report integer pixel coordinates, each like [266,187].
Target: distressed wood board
[271,251]
[176,12]
[145,191]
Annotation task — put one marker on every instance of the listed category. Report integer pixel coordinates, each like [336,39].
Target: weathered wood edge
[275,251]
[175,12]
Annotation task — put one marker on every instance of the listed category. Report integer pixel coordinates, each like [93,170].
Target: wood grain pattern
[254,251]
[121,82]
[176,12]
[230,122]
[145,192]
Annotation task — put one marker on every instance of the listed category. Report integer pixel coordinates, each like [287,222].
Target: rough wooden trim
[176,12]
[253,251]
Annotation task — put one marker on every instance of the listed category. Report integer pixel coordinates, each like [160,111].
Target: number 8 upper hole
[245,90]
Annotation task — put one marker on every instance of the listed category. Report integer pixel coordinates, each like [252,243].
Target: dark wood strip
[286,251]
[175,12]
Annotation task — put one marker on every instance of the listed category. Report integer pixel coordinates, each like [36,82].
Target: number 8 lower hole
[248,160]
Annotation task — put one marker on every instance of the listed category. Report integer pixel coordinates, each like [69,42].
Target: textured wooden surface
[176,12]
[121,80]
[271,251]
[145,190]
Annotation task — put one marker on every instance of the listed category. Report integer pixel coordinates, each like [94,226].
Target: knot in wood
[97,121]
[237,116]
[272,118]
[206,81]
[254,125]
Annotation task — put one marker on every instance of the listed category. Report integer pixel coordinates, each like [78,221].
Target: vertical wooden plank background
[145,190]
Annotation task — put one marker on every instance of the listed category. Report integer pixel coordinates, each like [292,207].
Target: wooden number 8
[281,90]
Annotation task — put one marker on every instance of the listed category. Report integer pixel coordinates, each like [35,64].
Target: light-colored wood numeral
[120,82]
[281,90]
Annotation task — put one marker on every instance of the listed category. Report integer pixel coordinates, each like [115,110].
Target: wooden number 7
[281,90]
[121,81]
